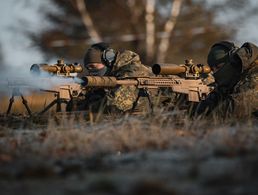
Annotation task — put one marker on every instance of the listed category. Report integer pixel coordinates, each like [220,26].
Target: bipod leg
[25,103]
[150,103]
[143,93]
[11,101]
[58,103]
[135,103]
[48,107]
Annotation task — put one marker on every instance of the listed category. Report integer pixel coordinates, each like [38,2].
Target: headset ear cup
[109,56]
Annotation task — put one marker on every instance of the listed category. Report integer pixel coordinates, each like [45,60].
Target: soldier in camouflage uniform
[101,60]
[236,75]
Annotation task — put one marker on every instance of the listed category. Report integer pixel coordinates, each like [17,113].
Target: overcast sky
[19,51]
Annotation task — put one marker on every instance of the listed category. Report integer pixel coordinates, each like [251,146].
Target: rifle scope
[59,68]
[172,69]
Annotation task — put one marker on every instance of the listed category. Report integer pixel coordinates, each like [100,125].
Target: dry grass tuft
[74,137]
[166,153]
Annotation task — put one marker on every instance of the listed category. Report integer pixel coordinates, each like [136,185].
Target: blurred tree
[168,29]
[1,57]
[125,24]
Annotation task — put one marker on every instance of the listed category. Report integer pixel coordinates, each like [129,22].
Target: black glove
[207,105]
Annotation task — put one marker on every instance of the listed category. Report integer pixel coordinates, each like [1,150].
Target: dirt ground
[162,154]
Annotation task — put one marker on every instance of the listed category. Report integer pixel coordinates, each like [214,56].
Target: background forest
[165,153]
[159,30]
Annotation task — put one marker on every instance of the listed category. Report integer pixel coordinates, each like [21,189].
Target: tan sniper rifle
[67,91]
[188,81]
[56,78]
[182,79]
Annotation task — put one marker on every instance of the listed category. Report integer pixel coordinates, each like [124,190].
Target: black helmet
[100,46]
[100,53]
[219,53]
[92,56]
[220,56]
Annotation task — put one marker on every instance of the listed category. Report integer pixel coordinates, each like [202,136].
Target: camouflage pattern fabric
[123,98]
[127,64]
[245,94]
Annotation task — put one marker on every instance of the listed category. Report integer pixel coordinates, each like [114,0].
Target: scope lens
[35,69]
[84,81]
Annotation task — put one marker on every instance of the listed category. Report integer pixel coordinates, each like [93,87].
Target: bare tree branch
[87,21]
[134,10]
[121,38]
[150,28]
[169,27]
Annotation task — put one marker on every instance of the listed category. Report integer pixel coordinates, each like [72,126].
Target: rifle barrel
[105,81]
[171,69]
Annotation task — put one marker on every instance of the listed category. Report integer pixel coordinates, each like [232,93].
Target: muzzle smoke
[23,81]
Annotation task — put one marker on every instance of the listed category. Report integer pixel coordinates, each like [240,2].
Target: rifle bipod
[143,93]
[58,101]
[16,92]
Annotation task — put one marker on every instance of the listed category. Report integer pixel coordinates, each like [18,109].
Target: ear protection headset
[109,56]
[228,75]
[228,45]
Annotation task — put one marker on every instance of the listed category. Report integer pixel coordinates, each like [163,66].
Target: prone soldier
[101,60]
[236,75]
[172,83]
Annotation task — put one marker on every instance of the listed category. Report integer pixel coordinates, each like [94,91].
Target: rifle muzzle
[96,81]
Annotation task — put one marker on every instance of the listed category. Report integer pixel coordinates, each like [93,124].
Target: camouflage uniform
[241,99]
[127,64]
[245,94]
[122,98]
